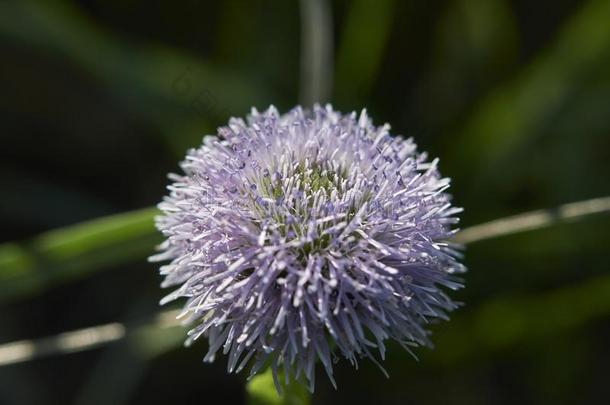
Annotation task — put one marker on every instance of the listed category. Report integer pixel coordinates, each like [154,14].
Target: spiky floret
[294,234]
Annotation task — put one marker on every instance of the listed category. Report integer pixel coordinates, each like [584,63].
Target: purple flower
[304,236]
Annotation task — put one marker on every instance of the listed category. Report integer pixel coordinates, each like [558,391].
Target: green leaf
[75,252]
[261,391]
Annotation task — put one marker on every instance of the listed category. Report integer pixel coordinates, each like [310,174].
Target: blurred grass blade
[532,220]
[316,52]
[518,110]
[67,342]
[75,251]
[149,339]
[261,391]
[360,52]
[176,92]
[124,365]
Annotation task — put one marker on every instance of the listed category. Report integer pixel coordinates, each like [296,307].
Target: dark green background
[100,99]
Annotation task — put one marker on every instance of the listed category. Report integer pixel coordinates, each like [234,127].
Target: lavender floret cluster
[302,237]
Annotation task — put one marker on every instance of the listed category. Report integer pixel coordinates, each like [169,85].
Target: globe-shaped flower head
[305,236]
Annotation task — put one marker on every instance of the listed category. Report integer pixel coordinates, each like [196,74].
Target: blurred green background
[100,100]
